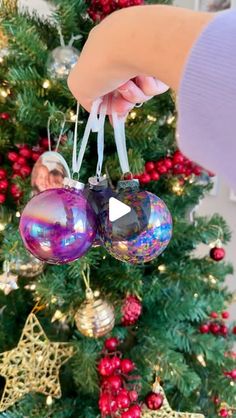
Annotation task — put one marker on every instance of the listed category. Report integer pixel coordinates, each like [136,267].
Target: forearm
[151,40]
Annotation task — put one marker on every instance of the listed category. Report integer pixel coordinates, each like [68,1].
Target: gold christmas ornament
[8,280]
[26,266]
[95,317]
[165,411]
[33,366]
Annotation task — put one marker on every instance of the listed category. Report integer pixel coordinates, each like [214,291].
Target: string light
[72,116]
[53,299]
[170,119]
[46,84]
[195,295]
[161,268]
[201,360]
[4,92]
[177,189]
[133,114]
[212,279]
[49,400]
[151,118]
[17,214]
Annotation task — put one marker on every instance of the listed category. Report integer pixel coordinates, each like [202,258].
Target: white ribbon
[61,131]
[119,132]
[100,138]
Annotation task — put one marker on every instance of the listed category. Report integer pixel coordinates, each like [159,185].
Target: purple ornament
[141,235]
[58,225]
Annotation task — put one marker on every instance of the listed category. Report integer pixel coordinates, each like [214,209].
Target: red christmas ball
[178,158]
[115,362]
[131,310]
[217,253]
[127,366]
[234,330]
[214,315]
[15,191]
[225,314]
[223,412]
[145,178]
[115,382]
[105,367]
[127,414]
[25,152]
[107,404]
[111,343]
[224,330]
[154,400]
[3,173]
[4,115]
[154,176]
[215,328]
[133,395]
[204,328]
[3,185]
[12,156]
[2,198]
[149,166]
[123,401]
[21,160]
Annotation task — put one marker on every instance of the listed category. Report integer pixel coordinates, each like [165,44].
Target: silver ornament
[61,60]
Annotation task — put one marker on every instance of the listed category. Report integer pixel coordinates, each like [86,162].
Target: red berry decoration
[35,155]
[217,253]
[204,328]
[123,401]
[233,374]
[225,314]
[154,176]
[215,328]
[223,412]
[3,185]
[131,310]
[133,395]
[12,156]
[149,166]
[25,171]
[3,173]
[178,158]
[2,198]
[16,167]
[127,366]
[25,152]
[116,361]
[154,401]
[21,160]
[4,115]
[115,382]
[214,315]
[111,343]
[105,367]
[224,330]
[234,330]
[145,178]
[44,143]
[168,163]
[107,404]
[135,410]
[161,168]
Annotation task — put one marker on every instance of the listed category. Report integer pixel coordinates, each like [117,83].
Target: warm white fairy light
[196,295]
[17,214]
[170,119]
[4,92]
[133,114]
[72,116]
[49,401]
[46,84]
[151,118]
[53,299]
[161,268]
[177,189]
[201,360]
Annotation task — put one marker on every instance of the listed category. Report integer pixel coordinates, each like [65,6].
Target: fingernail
[162,87]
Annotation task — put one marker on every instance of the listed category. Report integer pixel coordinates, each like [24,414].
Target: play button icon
[117,209]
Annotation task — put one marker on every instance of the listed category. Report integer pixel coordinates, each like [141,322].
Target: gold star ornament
[165,411]
[33,366]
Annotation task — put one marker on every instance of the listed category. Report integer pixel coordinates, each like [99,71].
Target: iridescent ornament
[61,60]
[95,317]
[143,233]
[59,225]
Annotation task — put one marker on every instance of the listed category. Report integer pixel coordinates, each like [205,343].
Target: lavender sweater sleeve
[207,99]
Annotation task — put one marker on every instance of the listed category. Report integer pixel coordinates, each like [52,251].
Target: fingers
[132,93]
[150,85]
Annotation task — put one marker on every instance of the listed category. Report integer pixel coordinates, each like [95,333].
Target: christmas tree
[165,319]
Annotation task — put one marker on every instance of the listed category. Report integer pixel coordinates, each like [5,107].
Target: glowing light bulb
[46,84]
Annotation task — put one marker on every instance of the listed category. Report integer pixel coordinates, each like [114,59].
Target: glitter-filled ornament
[143,233]
[61,60]
[58,225]
[95,317]
[26,265]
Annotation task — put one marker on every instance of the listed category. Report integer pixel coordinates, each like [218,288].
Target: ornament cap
[98,184]
[73,184]
[128,184]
